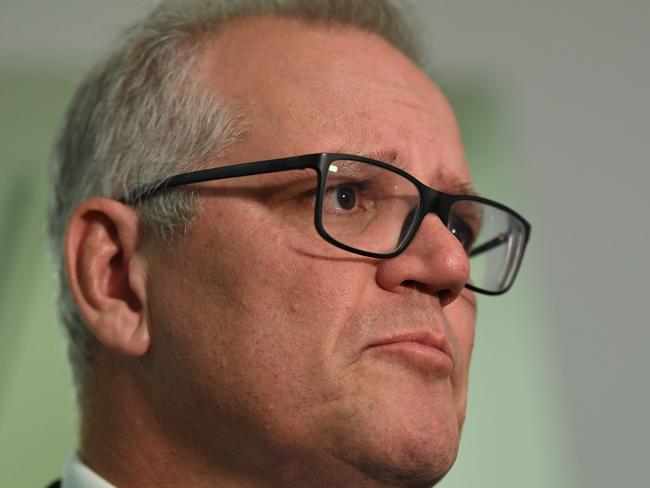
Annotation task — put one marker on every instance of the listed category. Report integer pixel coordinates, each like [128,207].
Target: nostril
[411,284]
[446,296]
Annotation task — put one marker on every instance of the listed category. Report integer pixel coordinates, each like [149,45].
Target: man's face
[261,331]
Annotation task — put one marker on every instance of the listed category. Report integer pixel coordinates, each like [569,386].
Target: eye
[344,197]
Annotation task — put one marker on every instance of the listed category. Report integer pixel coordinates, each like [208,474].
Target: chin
[405,452]
[412,463]
[400,430]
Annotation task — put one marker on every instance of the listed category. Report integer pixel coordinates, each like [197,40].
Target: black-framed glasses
[374,209]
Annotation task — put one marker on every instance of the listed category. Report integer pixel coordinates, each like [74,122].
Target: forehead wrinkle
[444,181]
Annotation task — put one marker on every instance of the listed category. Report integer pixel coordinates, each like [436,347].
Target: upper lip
[424,338]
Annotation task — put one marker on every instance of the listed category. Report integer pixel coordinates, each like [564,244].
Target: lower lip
[417,354]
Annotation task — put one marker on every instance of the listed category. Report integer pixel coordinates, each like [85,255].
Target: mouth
[421,350]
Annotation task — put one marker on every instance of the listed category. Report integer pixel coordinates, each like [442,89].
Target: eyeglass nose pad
[407,225]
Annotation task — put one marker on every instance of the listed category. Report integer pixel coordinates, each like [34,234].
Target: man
[302,315]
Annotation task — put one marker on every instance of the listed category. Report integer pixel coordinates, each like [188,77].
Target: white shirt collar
[77,475]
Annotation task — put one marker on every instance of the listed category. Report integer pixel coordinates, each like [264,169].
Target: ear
[107,274]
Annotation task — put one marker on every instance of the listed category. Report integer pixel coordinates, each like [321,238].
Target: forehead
[311,88]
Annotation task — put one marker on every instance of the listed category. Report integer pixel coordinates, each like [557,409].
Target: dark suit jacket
[55,484]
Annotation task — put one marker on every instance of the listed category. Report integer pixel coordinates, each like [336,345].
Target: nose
[435,262]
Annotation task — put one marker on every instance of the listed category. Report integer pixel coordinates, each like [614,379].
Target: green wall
[514,435]
[37,409]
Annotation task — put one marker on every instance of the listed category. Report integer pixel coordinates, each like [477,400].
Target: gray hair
[138,117]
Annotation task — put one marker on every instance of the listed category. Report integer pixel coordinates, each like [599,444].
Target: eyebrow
[449,183]
[455,185]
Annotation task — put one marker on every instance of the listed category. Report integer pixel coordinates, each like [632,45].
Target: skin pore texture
[240,356]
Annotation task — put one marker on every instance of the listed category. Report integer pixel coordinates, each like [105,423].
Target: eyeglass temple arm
[224,172]
[491,244]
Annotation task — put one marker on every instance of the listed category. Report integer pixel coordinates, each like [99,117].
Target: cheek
[259,313]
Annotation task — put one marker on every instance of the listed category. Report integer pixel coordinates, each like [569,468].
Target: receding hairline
[207,40]
[405,35]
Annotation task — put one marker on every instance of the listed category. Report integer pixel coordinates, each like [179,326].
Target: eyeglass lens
[493,238]
[368,207]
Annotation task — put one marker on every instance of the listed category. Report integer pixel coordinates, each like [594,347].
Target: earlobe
[107,274]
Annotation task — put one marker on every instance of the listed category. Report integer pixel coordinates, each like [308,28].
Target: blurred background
[554,104]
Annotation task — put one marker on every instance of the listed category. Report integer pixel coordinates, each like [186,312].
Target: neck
[125,441]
